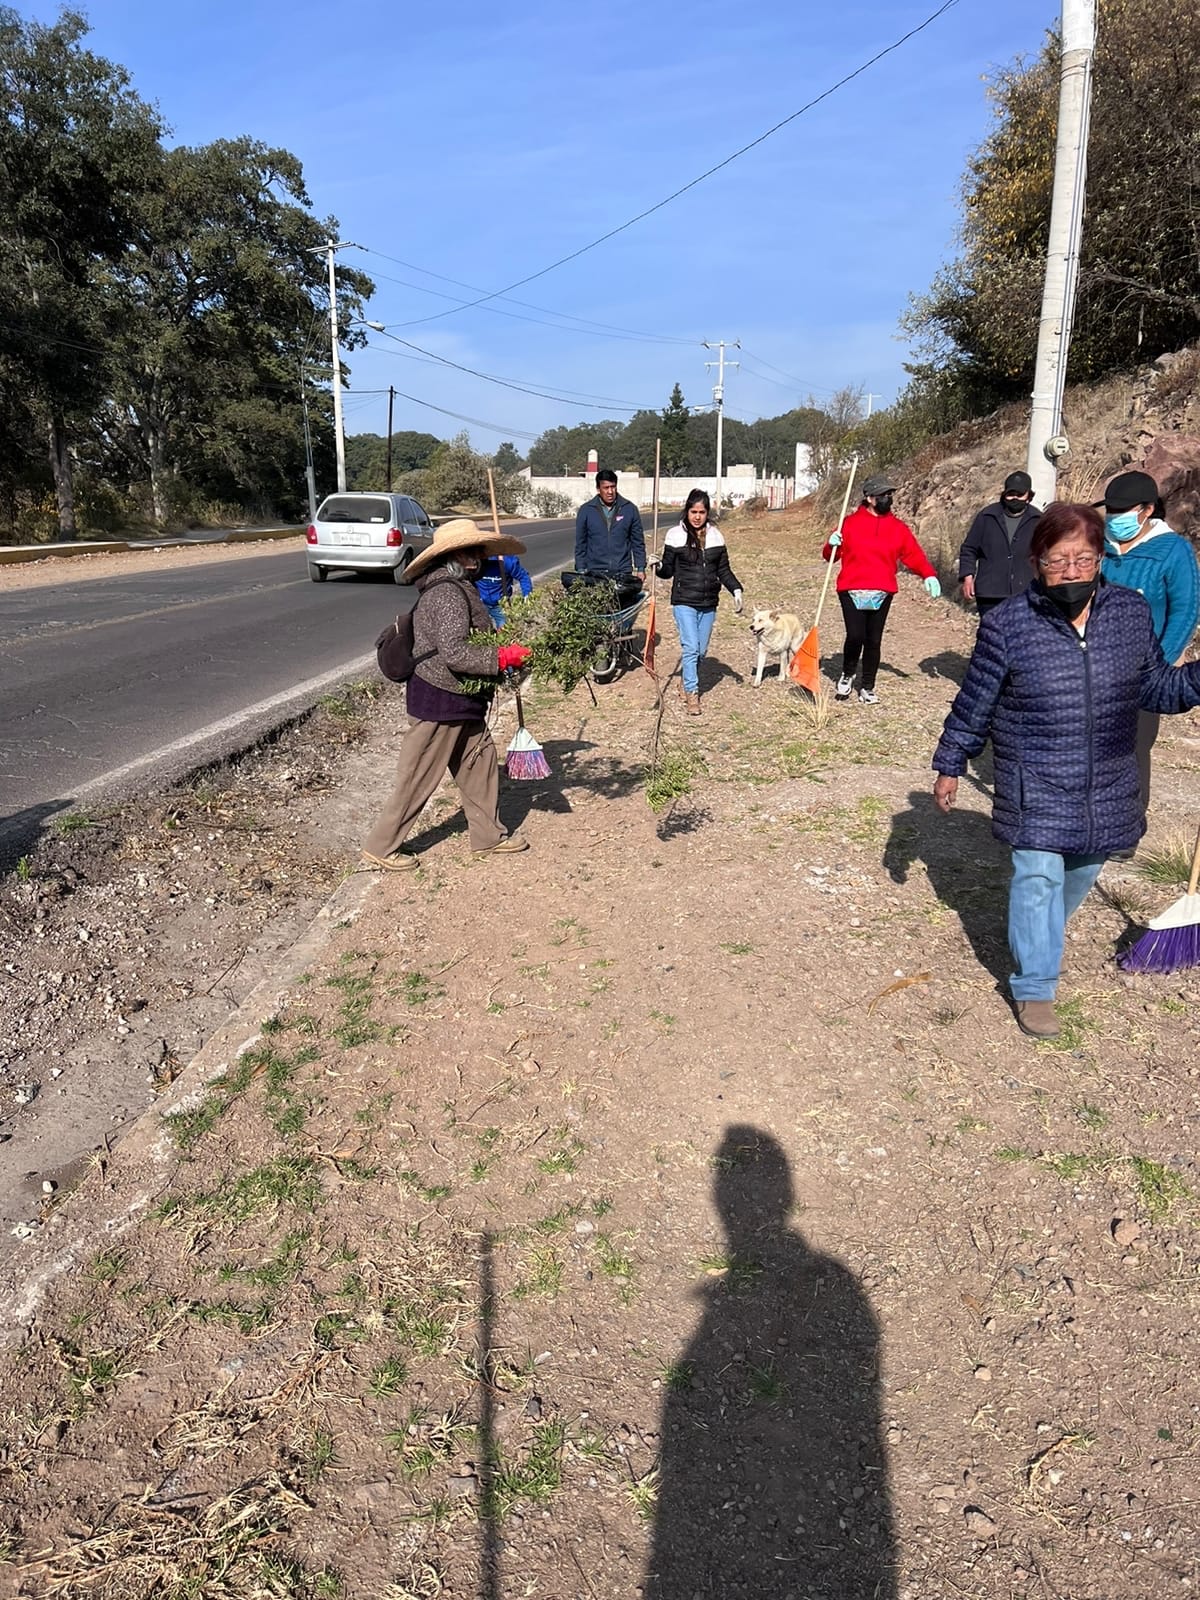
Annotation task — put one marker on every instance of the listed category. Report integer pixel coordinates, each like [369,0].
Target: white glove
[933,588]
[737,602]
[835,539]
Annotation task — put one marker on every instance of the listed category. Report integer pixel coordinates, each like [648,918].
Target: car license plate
[355,538]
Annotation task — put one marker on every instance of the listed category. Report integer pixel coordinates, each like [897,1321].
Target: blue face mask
[1122,526]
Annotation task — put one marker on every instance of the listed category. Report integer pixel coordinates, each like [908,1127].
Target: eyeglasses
[1080,564]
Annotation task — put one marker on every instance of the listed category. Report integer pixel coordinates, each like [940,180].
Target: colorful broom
[1172,940]
[523,759]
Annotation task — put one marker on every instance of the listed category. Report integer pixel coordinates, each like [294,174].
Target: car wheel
[400,573]
[317,574]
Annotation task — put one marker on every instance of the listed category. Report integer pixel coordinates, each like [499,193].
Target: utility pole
[308,450]
[1046,441]
[871,399]
[391,402]
[719,404]
[329,249]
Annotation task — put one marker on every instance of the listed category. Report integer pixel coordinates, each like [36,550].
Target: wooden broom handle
[841,520]
[1194,879]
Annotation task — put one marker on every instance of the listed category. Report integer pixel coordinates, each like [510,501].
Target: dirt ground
[673,1210]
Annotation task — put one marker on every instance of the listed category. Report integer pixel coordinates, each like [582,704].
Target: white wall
[739,483]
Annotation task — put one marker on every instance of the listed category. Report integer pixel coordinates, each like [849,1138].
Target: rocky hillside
[1149,419]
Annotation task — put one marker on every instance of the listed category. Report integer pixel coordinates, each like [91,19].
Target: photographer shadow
[773,1474]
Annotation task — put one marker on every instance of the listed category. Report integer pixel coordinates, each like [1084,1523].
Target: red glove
[513,655]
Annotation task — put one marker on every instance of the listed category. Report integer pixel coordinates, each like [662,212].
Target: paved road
[112,685]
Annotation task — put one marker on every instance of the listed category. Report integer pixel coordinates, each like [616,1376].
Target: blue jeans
[495,611]
[695,630]
[1046,891]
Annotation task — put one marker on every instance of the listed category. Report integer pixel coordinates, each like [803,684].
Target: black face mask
[1069,598]
[883,504]
[1012,504]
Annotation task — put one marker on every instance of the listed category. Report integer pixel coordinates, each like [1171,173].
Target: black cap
[1129,489]
[1018,483]
[879,484]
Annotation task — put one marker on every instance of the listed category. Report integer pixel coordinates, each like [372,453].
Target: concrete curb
[12,554]
[144,1151]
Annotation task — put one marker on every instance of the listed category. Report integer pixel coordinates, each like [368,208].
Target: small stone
[585,1226]
[1125,1232]
[533,1408]
[56,1072]
[48,1187]
[465,1488]
[983,1374]
[978,1524]
[25,1093]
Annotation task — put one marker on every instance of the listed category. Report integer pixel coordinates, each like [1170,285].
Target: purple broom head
[525,761]
[1170,943]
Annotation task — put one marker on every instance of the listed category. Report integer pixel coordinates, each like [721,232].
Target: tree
[675,435]
[1139,280]
[78,152]
[506,459]
[366,457]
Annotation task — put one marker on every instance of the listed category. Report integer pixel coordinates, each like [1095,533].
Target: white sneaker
[844,686]
[868,697]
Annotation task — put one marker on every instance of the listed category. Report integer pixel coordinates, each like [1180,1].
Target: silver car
[358,532]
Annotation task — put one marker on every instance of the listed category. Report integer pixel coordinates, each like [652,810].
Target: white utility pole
[719,403]
[339,433]
[871,399]
[1046,441]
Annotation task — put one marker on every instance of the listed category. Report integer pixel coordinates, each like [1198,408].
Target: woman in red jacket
[870,546]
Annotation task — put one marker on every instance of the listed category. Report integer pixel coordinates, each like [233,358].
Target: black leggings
[864,636]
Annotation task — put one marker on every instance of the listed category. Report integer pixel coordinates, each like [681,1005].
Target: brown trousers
[427,751]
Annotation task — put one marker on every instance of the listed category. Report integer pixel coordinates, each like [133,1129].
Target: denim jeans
[1047,889]
[695,630]
[495,611]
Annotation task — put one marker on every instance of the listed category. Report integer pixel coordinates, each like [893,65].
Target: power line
[588,325]
[476,422]
[798,383]
[641,216]
[565,397]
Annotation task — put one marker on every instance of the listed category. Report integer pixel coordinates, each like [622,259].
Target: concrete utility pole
[719,403]
[1046,441]
[339,432]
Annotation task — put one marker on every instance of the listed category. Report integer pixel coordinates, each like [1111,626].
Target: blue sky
[481,142]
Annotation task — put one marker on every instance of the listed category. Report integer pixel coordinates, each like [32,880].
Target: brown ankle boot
[693,704]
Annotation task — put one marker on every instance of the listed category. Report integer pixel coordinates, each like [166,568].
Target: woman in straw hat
[448,730]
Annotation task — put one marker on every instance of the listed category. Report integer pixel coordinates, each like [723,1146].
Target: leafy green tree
[675,450]
[1139,280]
[506,459]
[366,458]
[78,152]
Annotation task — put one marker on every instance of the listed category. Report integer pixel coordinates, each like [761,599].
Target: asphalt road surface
[110,686]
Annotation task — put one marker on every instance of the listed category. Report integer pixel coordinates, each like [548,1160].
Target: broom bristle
[1164,950]
[527,764]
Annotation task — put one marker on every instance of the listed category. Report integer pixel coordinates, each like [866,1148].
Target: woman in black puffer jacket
[696,561]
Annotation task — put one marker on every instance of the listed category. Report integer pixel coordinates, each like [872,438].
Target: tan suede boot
[693,704]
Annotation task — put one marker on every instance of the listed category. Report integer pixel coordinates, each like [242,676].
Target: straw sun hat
[461,534]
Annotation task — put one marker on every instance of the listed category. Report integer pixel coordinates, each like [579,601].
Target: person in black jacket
[696,561]
[994,560]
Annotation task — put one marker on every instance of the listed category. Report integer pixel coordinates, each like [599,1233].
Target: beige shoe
[1037,1018]
[400,861]
[692,701]
[510,843]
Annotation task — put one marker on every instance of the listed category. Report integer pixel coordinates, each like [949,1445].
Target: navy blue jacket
[601,549]
[999,568]
[1061,711]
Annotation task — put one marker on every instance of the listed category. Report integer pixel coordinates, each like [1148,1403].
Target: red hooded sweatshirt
[871,549]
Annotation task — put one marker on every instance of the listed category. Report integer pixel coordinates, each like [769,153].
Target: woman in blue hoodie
[1141,552]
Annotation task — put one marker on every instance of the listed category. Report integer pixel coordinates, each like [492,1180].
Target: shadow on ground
[773,1473]
[968,871]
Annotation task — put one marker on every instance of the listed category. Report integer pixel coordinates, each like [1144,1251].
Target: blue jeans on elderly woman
[695,630]
[1046,891]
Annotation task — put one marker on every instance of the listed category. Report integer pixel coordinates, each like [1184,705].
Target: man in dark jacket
[994,560]
[608,533]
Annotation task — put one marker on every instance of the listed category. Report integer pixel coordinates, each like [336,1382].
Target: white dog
[778,633]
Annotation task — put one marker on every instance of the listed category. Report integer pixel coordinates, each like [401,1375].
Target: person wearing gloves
[496,581]
[1055,681]
[696,562]
[993,562]
[448,727]
[1141,552]
[872,544]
